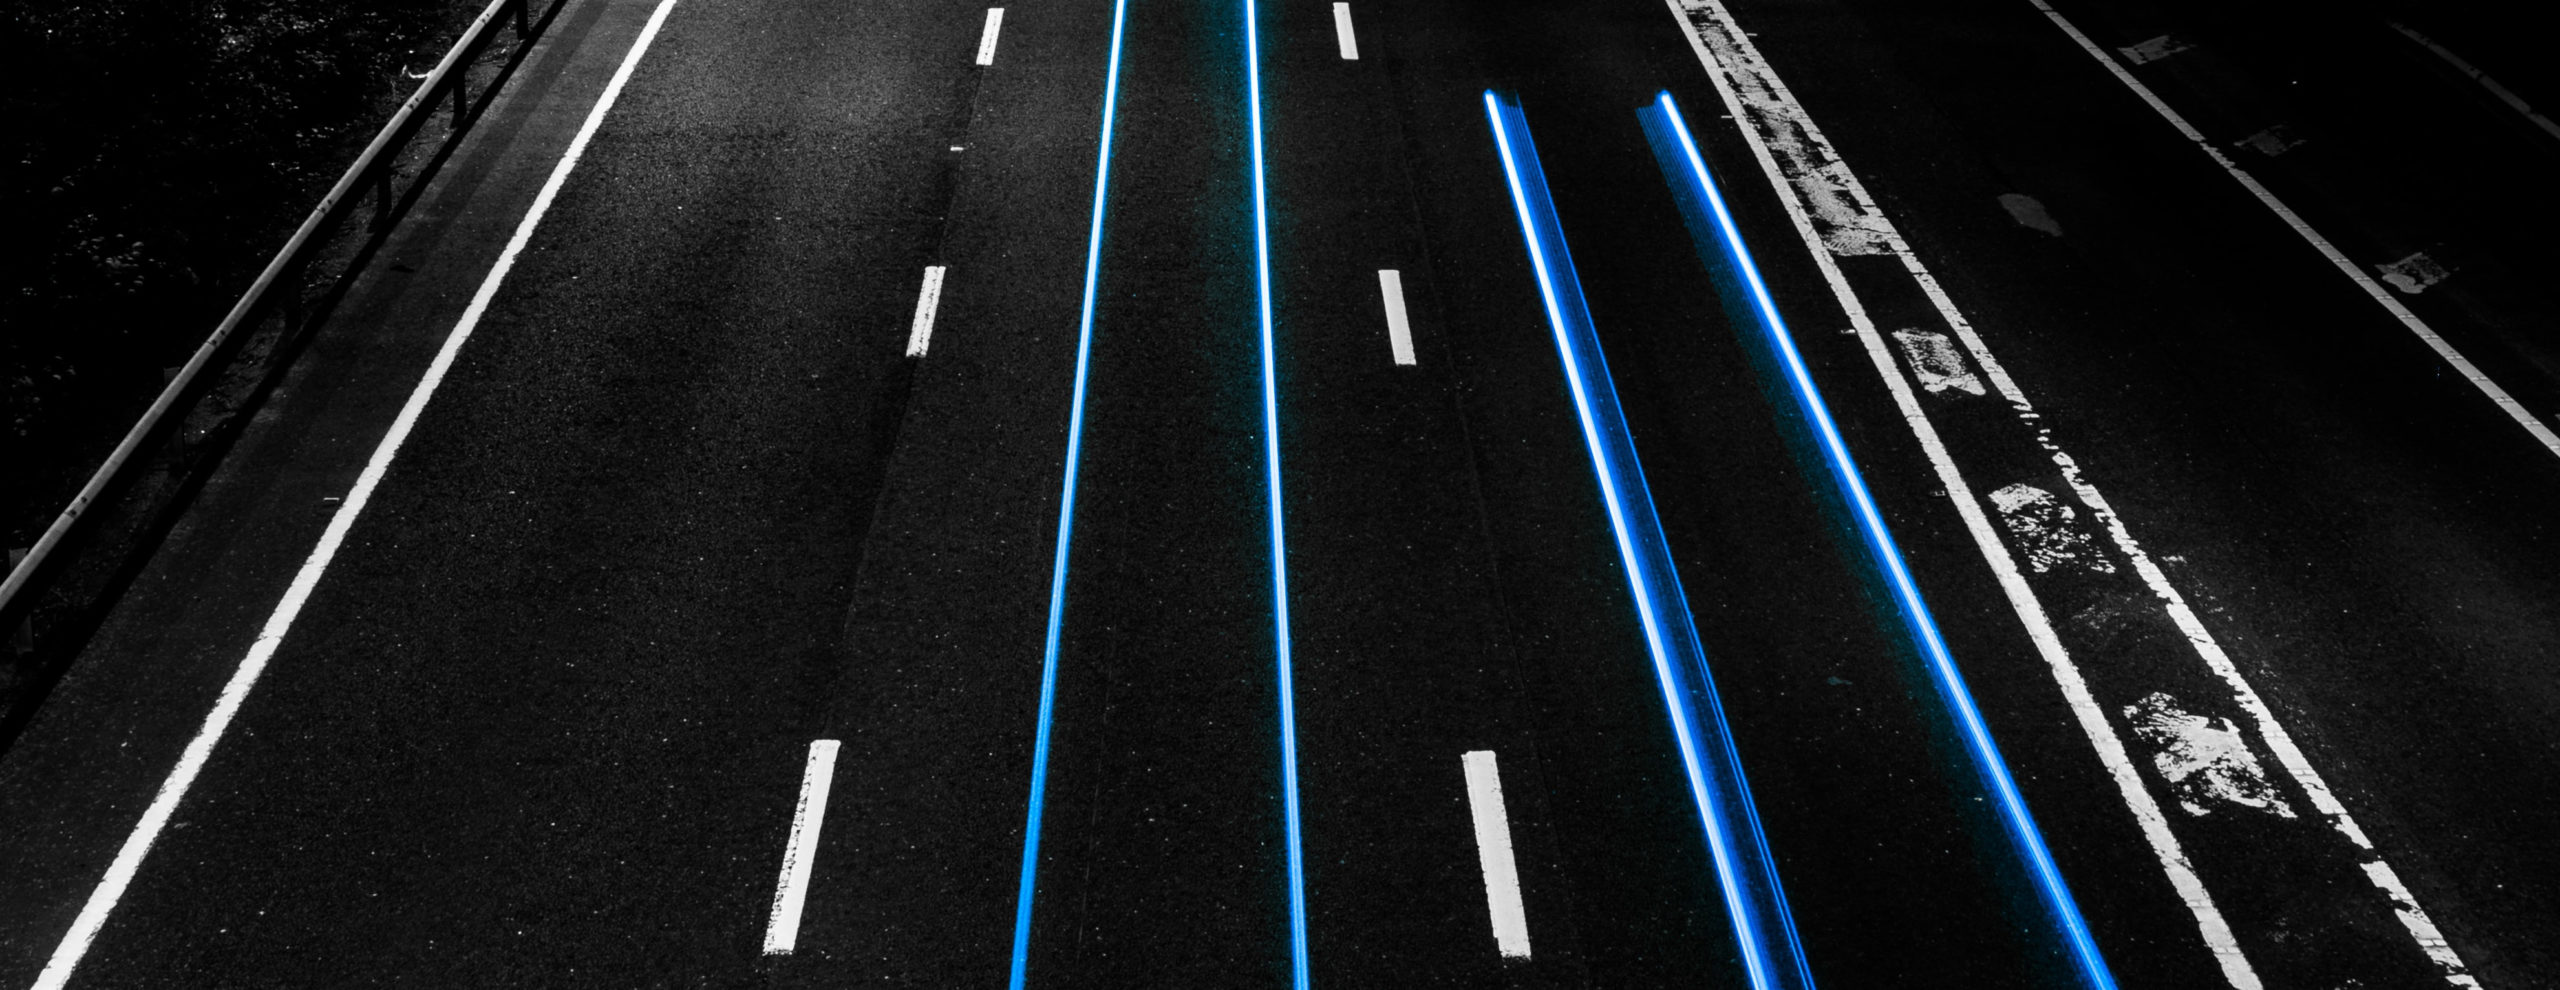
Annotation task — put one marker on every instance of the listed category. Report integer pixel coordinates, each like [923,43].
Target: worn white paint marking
[2046,529]
[1399,331]
[2205,760]
[2030,213]
[2145,52]
[1342,36]
[2480,380]
[1493,853]
[1936,362]
[1754,95]
[800,853]
[928,300]
[2271,142]
[2414,273]
[2504,95]
[120,873]
[987,38]
[1708,24]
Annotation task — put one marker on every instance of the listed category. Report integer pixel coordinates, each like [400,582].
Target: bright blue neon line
[1279,542]
[2013,807]
[1758,958]
[1066,522]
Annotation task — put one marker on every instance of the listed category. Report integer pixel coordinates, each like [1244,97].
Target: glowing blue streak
[1279,544]
[1760,960]
[1066,521]
[1977,735]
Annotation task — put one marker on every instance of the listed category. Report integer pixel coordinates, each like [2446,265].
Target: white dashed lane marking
[987,39]
[1342,35]
[1493,853]
[800,853]
[1399,330]
[928,300]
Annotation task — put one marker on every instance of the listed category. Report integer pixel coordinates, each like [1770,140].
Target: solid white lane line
[1771,105]
[1399,331]
[2503,94]
[800,854]
[1493,853]
[987,39]
[928,299]
[1342,36]
[2479,379]
[119,875]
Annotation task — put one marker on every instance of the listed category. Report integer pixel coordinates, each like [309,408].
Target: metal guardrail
[280,291]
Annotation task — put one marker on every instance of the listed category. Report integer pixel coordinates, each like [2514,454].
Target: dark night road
[769,373]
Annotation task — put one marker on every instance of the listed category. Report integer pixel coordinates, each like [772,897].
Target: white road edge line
[2470,372]
[2110,748]
[128,861]
[1493,853]
[800,855]
[2503,94]
[987,40]
[2111,751]
[1342,36]
[928,300]
[1399,330]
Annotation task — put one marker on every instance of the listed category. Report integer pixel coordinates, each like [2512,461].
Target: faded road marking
[2030,213]
[2146,52]
[2205,760]
[2414,273]
[2047,530]
[1935,361]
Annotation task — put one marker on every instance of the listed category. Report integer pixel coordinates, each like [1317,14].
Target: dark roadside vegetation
[159,153]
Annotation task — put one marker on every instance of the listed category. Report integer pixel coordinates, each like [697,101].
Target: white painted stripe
[1774,107]
[987,39]
[2504,95]
[1493,853]
[1342,34]
[128,861]
[928,299]
[2480,380]
[1399,330]
[800,854]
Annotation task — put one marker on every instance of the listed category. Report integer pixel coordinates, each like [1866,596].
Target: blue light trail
[1279,542]
[2083,950]
[1764,932]
[1066,520]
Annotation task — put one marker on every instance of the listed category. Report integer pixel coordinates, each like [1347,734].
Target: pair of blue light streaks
[1764,931]
[2082,948]
[1279,542]
[1067,503]
[1066,519]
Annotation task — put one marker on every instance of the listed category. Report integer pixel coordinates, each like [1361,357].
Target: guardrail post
[382,198]
[461,86]
[22,640]
[524,20]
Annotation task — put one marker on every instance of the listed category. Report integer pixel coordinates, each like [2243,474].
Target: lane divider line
[1493,854]
[1342,36]
[1028,882]
[1994,770]
[987,38]
[928,300]
[2479,379]
[1399,329]
[120,873]
[800,854]
[1764,931]
[1279,534]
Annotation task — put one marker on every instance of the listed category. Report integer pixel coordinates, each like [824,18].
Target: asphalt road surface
[789,459]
